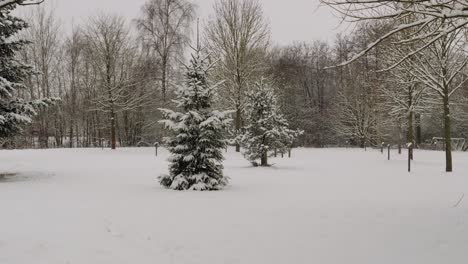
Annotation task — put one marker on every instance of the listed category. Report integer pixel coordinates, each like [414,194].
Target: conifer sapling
[267,129]
[198,132]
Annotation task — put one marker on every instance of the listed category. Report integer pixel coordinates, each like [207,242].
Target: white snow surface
[346,206]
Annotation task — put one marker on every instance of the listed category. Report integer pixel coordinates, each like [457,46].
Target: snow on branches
[198,133]
[428,21]
[9,3]
[267,129]
[14,110]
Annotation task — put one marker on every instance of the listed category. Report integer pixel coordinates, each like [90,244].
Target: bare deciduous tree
[165,26]
[441,68]
[239,35]
[428,21]
[108,41]
[74,47]
[7,3]
[406,97]
[44,54]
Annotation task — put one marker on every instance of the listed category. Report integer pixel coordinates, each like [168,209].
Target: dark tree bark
[447,134]
[264,159]
[418,129]
[238,125]
[410,132]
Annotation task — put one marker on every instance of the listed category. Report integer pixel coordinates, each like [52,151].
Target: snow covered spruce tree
[15,111]
[198,133]
[267,128]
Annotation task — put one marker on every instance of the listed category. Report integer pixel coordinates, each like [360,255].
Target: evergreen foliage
[267,130]
[198,133]
[15,111]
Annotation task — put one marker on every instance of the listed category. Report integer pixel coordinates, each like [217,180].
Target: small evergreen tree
[14,110]
[198,133]
[267,128]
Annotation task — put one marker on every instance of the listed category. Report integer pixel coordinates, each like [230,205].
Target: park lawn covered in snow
[92,206]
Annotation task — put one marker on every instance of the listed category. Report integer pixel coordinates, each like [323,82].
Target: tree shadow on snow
[9,177]
[272,166]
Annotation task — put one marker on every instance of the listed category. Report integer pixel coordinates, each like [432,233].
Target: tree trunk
[410,135]
[71,134]
[400,137]
[264,159]
[447,134]
[238,125]
[164,78]
[418,130]
[113,136]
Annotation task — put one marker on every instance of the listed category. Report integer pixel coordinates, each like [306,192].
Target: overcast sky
[291,20]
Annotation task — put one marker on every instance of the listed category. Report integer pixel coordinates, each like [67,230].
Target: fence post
[289,153]
[156,145]
[276,152]
[102,143]
[381,147]
[410,150]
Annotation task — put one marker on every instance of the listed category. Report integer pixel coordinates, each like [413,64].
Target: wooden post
[276,152]
[381,147]
[410,149]
[388,151]
[156,145]
[282,154]
[102,143]
[289,153]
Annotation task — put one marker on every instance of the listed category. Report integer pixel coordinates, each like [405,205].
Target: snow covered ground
[322,206]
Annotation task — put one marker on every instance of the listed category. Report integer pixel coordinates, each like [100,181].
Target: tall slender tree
[441,68]
[239,35]
[44,53]
[165,26]
[108,42]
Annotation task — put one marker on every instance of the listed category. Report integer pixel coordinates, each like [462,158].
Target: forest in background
[112,75]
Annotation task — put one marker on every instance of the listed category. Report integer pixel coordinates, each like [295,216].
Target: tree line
[113,74]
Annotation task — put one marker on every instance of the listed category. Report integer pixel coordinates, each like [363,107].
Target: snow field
[322,206]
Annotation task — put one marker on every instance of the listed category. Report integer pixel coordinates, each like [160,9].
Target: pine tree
[198,133]
[268,129]
[14,110]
